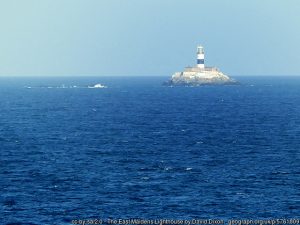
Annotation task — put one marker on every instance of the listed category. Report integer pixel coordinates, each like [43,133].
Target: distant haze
[148,37]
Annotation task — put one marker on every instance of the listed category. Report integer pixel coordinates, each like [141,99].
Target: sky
[148,37]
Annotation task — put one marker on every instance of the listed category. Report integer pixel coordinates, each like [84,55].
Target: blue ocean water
[138,149]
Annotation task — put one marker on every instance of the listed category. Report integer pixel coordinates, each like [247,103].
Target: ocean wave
[96,86]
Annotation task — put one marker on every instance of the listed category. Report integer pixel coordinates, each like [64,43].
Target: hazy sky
[148,37]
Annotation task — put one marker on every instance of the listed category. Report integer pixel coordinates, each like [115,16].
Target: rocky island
[200,75]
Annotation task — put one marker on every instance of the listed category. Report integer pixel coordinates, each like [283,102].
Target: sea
[70,154]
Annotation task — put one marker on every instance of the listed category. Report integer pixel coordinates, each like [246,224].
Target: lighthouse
[200,74]
[200,57]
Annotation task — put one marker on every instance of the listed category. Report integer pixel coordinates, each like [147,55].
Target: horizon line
[90,75]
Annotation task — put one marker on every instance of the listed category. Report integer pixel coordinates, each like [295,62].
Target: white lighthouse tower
[200,57]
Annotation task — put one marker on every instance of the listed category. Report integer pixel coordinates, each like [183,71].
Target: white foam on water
[97,86]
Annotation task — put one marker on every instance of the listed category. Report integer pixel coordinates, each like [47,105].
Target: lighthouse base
[197,77]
